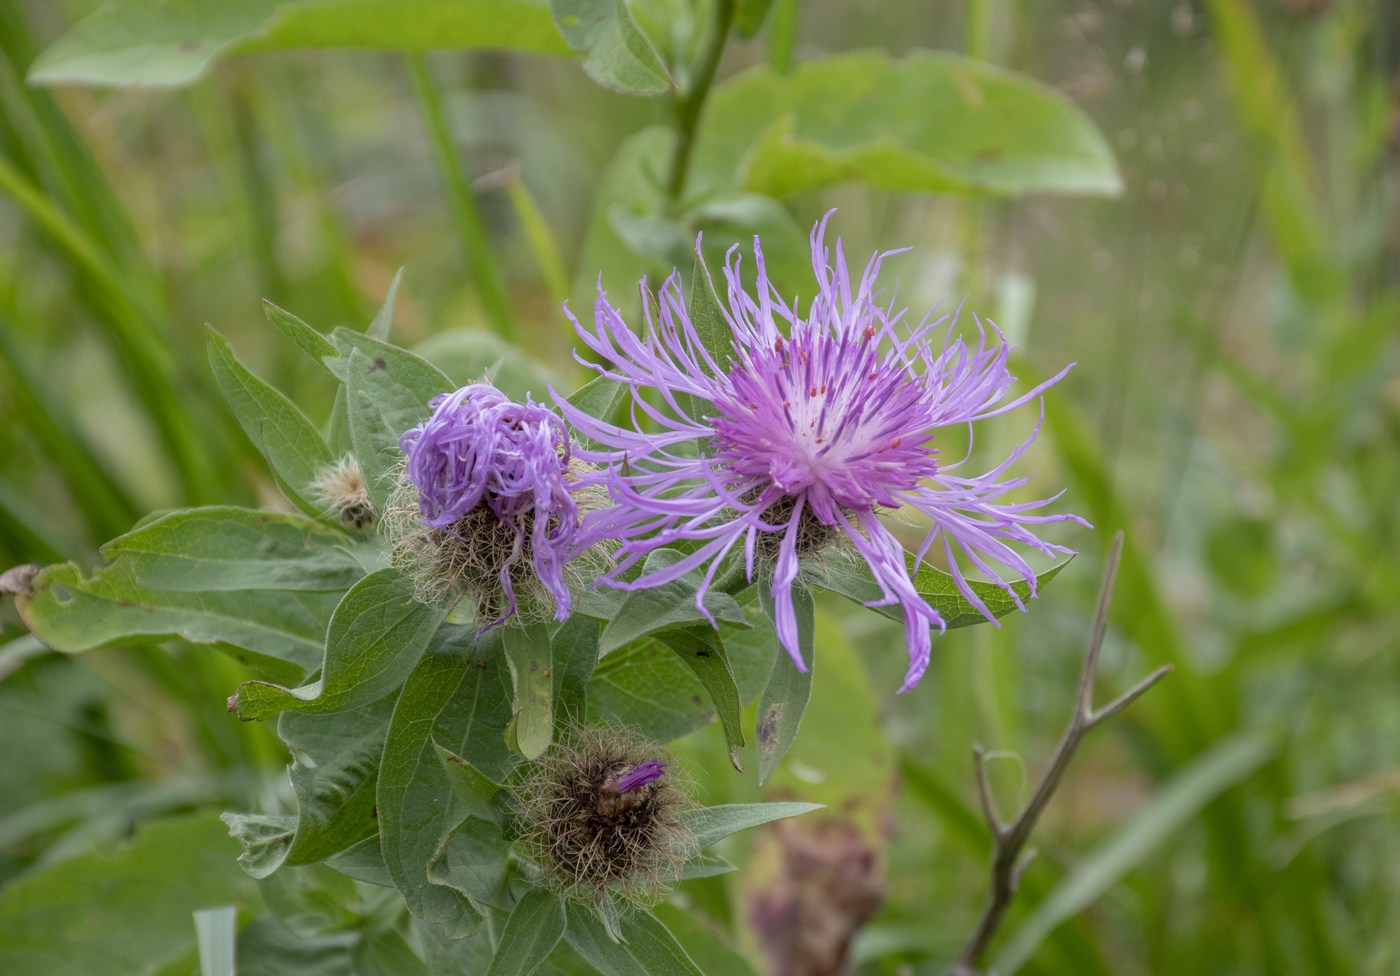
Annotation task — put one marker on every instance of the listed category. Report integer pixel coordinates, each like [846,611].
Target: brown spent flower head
[341,488]
[603,815]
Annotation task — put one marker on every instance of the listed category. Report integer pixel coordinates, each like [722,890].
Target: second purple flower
[813,425]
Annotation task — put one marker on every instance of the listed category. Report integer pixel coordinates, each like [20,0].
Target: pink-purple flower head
[814,424]
[495,498]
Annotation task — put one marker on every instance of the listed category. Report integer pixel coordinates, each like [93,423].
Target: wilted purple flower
[806,436]
[648,772]
[481,455]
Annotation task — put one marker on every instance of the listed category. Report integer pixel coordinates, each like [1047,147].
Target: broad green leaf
[649,949]
[713,824]
[788,690]
[529,657]
[335,759]
[70,613]
[216,931]
[702,651]
[472,861]
[670,606]
[146,42]
[384,318]
[288,441]
[701,942]
[227,548]
[849,576]
[363,862]
[267,947]
[120,911]
[472,355]
[385,396]
[375,638]
[617,54]
[412,796]
[975,128]
[533,929]
[479,794]
[575,655]
[306,338]
[1179,802]
[384,952]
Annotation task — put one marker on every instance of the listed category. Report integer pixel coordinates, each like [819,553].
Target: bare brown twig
[1009,838]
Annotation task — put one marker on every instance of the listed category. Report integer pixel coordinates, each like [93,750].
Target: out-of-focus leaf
[1182,799]
[531,932]
[788,690]
[932,122]
[216,931]
[70,613]
[617,54]
[1243,555]
[147,42]
[529,657]
[850,576]
[752,14]
[288,441]
[122,911]
[384,318]
[376,636]
[701,944]
[227,548]
[667,607]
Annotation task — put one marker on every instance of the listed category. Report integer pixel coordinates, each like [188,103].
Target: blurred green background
[1235,409]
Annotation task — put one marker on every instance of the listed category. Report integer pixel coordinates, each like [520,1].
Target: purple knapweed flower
[809,431]
[493,485]
[648,772]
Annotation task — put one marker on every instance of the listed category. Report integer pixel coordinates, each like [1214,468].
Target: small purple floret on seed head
[648,772]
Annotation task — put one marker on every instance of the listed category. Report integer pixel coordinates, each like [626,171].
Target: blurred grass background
[1235,409]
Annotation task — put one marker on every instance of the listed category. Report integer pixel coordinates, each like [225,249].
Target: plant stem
[1008,839]
[476,242]
[689,106]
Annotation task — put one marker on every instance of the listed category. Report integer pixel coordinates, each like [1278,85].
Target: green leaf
[533,929]
[575,655]
[363,862]
[478,793]
[120,911]
[976,129]
[288,441]
[385,396]
[617,54]
[1179,802]
[375,638]
[849,576]
[529,656]
[701,650]
[335,761]
[472,861]
[306,338]
[649,949]
[471,355]
[707,315]
[601,398]
[666,607]
[788,690]
[412,794]
[146,42]
[227,548]
[384,318]
[752,13]
[70,613]
[713,824]
[701,942]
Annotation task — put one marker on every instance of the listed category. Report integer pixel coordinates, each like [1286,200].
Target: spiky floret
[603,815]
[816,423]
[488,507]
[340,487]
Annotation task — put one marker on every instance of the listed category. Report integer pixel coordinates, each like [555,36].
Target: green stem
[476,242]
[689,106]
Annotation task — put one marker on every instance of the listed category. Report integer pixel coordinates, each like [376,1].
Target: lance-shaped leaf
[788,690]
[670,606]
[376,636]
[288,441]
[648,948]
[531,933]
[703,652]
[713,824]
[840,573]
[311,342]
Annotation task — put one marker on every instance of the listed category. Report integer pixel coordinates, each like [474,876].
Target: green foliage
[617,54]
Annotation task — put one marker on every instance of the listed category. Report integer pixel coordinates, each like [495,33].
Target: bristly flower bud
[604,818]
[341,488]
[488,507]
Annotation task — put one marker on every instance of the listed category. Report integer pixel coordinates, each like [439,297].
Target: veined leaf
[649,949]
[667,607]
[617,54]
[713,824]
[528,654]
[788,690]
[533,929]
[703,652]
